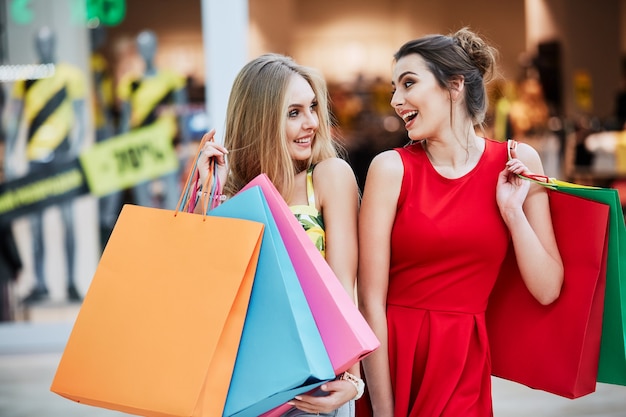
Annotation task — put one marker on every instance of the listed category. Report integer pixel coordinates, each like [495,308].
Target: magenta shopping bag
[345,333]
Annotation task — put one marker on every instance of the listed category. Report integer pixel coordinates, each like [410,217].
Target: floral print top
[311,219]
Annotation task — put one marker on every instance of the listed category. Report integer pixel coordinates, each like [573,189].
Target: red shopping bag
[555,348]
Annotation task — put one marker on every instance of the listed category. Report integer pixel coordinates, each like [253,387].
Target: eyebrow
[404,74]
[292,105]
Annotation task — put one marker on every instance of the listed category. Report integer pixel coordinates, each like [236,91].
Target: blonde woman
[278,123]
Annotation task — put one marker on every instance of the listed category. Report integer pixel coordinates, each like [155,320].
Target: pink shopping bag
[345,333]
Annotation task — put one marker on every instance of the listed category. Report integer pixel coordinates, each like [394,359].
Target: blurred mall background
[562,87]
[562,66]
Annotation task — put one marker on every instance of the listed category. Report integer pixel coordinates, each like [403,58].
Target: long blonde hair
[256,120]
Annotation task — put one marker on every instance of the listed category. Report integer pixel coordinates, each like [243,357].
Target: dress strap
[309,186]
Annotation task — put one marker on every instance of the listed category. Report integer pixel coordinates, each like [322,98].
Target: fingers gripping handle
[209,192]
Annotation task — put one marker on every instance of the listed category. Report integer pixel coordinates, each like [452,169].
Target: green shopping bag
[612,365]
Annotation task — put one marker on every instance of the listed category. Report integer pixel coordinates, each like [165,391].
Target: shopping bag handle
[543,180]
[208,199]
[539,179]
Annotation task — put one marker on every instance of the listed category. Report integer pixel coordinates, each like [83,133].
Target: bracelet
[357,382]
[219,197]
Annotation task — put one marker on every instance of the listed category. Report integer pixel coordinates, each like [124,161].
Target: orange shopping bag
[159,328]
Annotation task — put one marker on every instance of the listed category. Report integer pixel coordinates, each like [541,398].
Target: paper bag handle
[543,180]
[188,195]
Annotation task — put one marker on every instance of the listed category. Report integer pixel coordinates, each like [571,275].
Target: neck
[454,147]
[455,157]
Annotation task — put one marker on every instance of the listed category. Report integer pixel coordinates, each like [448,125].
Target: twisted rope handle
[543,180]
[187,195]
[536,178]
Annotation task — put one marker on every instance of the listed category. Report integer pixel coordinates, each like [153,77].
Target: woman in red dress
[435,221]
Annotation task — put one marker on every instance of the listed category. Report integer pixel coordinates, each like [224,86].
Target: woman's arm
[376,218]
[530,224]
[337,196]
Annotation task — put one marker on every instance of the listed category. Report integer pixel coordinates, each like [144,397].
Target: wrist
[512,214]
[358,383]
[216,197]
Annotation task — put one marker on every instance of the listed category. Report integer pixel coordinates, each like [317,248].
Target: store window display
[10,260]
[52,109]
[156,96]
[103,111]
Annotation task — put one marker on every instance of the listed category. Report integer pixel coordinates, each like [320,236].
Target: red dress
[447,245]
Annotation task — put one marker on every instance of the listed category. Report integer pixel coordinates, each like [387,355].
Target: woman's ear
[457,84]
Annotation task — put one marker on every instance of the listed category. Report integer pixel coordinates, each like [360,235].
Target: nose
[311,121]
[396,99]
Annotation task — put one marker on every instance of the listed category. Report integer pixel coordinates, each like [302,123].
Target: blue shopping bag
[281,353]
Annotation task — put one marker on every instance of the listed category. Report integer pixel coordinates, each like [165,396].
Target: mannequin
[103,101]
[154,96]
[10,260]
[53,110]
[103,94]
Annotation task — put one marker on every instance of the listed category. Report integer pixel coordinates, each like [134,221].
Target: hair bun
[480,53]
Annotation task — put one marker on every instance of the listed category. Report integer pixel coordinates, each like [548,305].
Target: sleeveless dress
[447,244]
[313,223]
[309,217]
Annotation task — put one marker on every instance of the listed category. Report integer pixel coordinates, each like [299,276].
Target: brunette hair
[463,53]
[255,133]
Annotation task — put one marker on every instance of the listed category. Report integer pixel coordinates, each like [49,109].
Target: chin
[414,136]
[301,156]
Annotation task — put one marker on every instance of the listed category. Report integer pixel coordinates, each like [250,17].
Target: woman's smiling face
[302,118]
[419,99]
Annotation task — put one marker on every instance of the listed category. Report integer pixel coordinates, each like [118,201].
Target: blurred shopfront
[573,49]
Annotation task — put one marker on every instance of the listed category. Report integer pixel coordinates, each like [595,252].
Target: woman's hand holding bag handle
[207,175]
[212,166]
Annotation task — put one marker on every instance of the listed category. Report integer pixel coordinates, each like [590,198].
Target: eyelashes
[295,112]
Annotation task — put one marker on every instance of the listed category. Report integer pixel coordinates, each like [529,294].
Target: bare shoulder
[333,170]
[381,193]
[387,164]
[530,157]
[333,165]
[334,180]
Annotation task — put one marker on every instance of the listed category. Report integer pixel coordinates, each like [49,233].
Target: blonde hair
[256,120]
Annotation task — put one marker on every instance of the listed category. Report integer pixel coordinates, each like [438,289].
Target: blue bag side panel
[281,353]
